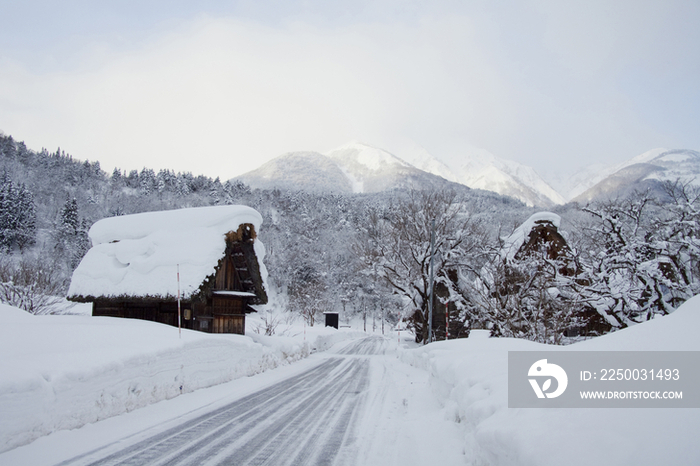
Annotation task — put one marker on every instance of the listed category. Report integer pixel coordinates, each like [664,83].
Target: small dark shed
[331,319]
[139,265]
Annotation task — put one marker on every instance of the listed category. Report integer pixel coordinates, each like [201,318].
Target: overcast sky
[217,88]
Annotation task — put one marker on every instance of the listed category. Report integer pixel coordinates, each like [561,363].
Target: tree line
[625,260]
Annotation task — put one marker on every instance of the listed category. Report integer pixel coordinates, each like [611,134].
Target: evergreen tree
[69,217]
[17,215]
[6,210]
[147,181]
[214,192]
[182,187]
[116,176]
[132,180]
[71,236]
[25,228]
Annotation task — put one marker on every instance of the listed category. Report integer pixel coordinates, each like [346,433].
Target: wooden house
[539,237]
[209,257]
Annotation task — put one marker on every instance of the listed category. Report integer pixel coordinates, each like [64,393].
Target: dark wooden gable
[234,273]
[238,270]
[237,284]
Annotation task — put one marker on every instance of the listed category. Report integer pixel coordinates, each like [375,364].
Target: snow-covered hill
[352,168]
[374,170]
[588,177]
[310,171]
[361,168]
[643,171]
[479,169]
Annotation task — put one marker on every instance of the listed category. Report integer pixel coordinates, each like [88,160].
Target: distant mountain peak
[480,169]
[369,157]
[354,167]
[311,171]
[585,181]
[645,171]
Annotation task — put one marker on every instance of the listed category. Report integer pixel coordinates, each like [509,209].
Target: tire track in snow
[306,419]
[209,427]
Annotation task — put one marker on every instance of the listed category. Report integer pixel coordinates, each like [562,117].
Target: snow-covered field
[470,378]
[62,372]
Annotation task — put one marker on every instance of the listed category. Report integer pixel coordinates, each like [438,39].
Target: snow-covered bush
[29,284]
[642,255]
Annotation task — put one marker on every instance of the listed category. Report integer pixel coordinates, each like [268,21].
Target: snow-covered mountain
[643,171]
[352,168]
[586,178]
[361,168]
[310,171]
[479,169]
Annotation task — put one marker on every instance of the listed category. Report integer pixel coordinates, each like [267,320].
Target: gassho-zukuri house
[209,256]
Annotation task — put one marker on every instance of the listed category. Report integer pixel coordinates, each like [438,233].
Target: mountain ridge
[358,167]
[646,171]
[361,168]
[352,168]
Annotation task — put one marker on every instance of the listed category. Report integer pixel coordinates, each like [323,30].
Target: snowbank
[470,378]
[61,372]
[318,338]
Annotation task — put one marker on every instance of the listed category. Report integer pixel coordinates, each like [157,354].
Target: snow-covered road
[358,405]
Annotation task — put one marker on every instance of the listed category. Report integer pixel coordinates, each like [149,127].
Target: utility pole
[398,330]
[364,316]
[179,313]
[430,284]
[375,300]
[447,320]
[382,318]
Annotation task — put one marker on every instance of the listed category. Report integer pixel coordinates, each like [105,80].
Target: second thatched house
[208,257]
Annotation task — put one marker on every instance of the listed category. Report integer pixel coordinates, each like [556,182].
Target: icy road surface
[358,406]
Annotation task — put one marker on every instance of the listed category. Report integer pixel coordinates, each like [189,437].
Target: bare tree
[397,241]
[268,324]
[532,297]
[638,262]
[307,294]
[30,285]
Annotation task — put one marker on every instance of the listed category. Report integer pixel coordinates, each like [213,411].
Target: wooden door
[229,324]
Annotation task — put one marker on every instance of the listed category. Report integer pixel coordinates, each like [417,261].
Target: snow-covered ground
[470,378]
[60,372]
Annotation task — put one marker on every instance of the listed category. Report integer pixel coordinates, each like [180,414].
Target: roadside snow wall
[62,372]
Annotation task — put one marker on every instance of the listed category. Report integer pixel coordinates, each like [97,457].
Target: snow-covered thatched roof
[514,242]
[138,255]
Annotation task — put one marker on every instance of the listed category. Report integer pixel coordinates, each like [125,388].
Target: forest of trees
[626,260]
